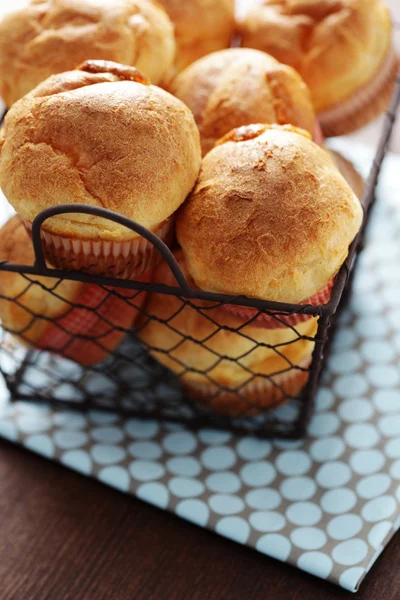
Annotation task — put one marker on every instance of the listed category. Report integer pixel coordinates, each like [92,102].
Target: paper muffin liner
[267,321]
[318,136]
[365,104]
[123,260]
[88,333]
[260,394]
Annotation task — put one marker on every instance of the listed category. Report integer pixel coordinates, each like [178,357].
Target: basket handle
[104,213]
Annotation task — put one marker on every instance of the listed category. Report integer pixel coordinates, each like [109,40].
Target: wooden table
[65,537]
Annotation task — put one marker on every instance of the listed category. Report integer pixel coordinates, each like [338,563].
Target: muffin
[100,136]
[233,372]
[201,27]
[48,37]
[240,86]
[342,48]
[349,172]
[270,218]
[82,322]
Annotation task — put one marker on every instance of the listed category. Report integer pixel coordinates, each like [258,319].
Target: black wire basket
[131,378]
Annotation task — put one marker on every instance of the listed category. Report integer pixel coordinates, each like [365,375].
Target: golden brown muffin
[201,27]
[249,378]
[270,216]
[52,36]
[59,316]
[101,136]
[240,86]
[342,49]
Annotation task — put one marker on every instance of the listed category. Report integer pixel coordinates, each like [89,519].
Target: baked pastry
[101,136]
[342,48]
[349,172]
[270,218]
[234,372]
[201,27]
[80,321]
[240,86]
[53,36]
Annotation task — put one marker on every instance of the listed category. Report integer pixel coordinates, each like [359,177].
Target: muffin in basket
[240,86]
[100,136]
[270,218]
[232,369]
[47,37]
[343,49]
[80,321]
[201,27]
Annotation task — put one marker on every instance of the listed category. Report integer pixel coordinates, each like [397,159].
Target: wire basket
[132,379]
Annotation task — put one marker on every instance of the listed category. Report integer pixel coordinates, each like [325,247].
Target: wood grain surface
[66,537]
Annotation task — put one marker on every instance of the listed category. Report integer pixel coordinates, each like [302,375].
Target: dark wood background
[66,537]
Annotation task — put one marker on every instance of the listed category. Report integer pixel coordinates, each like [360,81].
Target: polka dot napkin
[327,504]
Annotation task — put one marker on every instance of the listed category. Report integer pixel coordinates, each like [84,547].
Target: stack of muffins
[151,114]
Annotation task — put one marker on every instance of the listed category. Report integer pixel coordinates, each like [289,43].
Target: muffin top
[100,135]
[52,36]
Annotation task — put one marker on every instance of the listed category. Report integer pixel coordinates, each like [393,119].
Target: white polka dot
[356,410]
[344,527]
[372,327]
[324,399]
[107,455]
[396,341]
[79,460]
[304,513]
[392,448]
[267,521]
[181,442]
[350,386]
[345,362]
[323,424]
[326,449]
[387,401]
[186,466]
[141,429]
[185,487]
[383,376]
[40,443]
[390,425]
[253,449]
[218,458]
[264,499]
[146,450]
[373,485]
[293,463]
[333,475]
[68,439]
[274,545]
[344,338]
[224,504]
[70,420]
[101,417]
[117,477]
[214,436]
[379,509]
[33,423]
[234,528]
[298,488]
[350,579]
[258,474]
[107,435]
[379,533]
[361,436]
[350,552]
[288,444]
[316,563]
[8,430]
[377,352]
[336,502]
[154,493]
[365,462]
[146,470]
[195,511]
[395,470]
[308,538]
[224,482]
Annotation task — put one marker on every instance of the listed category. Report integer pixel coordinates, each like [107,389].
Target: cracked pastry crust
[52,36]
[337,46]
[201,27]
[241,86]
[270,216]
